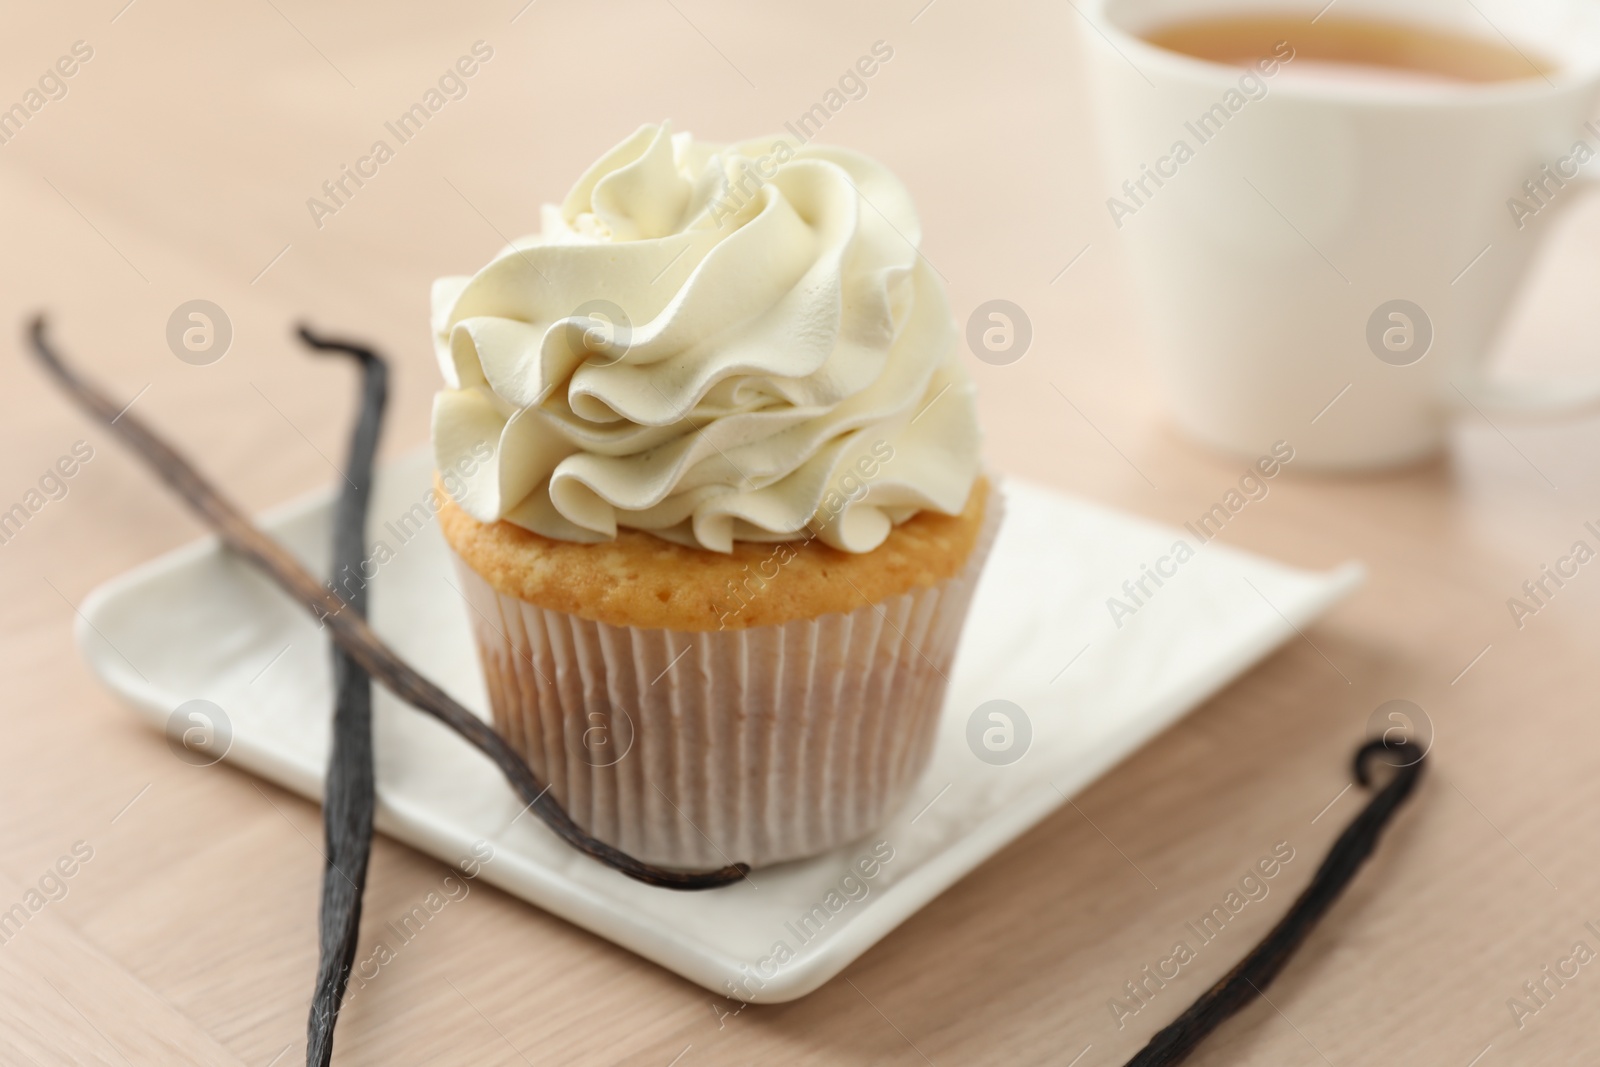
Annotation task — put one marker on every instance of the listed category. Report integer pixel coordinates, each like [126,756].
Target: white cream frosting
[711,343]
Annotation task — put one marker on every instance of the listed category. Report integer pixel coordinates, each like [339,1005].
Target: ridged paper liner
[759,745]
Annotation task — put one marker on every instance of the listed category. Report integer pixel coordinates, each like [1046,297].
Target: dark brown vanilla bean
[348,797]
[348,629]
[1240,986]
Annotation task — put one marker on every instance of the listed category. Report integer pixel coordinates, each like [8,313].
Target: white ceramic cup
[1331,260]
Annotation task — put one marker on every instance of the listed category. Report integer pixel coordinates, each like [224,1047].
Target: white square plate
[198,623]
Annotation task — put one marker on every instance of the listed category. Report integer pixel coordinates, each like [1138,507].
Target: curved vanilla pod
[1173,1044]
[348,629]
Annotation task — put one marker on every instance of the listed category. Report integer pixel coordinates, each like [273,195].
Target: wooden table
[178,166]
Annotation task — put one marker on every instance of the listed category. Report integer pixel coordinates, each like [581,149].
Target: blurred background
[178,165]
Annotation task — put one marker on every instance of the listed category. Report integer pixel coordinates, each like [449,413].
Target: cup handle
[1536,400]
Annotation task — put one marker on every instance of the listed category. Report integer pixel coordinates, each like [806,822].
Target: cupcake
[713,490]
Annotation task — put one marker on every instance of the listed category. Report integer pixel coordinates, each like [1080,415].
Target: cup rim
[1572,78]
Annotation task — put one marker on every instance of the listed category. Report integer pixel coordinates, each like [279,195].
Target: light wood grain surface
[177,166]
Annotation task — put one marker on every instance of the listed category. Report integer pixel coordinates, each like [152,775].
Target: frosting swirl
[710,343]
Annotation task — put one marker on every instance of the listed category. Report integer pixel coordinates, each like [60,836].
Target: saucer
[1079,681]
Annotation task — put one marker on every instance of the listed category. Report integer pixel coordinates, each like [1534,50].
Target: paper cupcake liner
[695,750]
